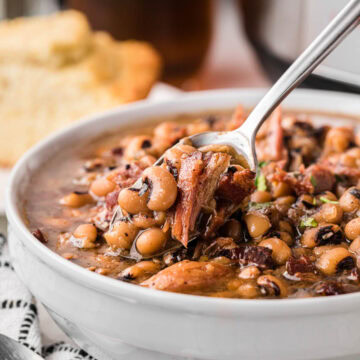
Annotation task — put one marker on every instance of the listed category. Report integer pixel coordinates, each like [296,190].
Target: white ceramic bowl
[119,318]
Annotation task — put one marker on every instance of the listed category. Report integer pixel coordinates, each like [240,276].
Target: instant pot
[281,29]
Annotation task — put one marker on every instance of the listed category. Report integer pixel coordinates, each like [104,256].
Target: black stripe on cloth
[6,264]
[27,322]
[61,347]
[10,304]
[32,348]
[2,241]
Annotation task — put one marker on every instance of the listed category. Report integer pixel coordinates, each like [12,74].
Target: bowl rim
[168,300]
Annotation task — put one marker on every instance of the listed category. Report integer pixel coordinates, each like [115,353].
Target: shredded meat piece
[299,265]
[235,186]
[270,144]
[198,179]
[125,175]
[111,199]
[314,180]
[190,276]
[250,255]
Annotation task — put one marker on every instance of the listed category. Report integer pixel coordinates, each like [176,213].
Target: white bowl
[117,317]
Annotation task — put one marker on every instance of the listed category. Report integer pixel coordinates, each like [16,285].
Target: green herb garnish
[313,181]
[262,164]
[260,182]
[325,200]
[308,222]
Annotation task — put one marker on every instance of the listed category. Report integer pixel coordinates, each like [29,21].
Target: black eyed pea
[272,286]
[101,187]
[285,200]
[329,195]
[323,234]
[338,139]
[286,227]
[86,233]
[151,241]
[163,188]
[350,199]
[147,160]
[319,250]
[257,224]
[281,189]
[122,235]
[169,129]
[76,199]
[249,272]
[352,229]
[280,250]
[261,196]
[248,290]
[140,270]
[232,229]
[139,146]
[286,237]
[329,213]
[335,260]
[354,152]
[355,245]
[130,200]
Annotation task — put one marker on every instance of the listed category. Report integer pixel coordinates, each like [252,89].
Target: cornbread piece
[55,70]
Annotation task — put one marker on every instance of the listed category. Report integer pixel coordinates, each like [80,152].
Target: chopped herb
[314,202]
[313,181]
[326,200]
[258,206]
[260,182]
[262,164]
[308,222]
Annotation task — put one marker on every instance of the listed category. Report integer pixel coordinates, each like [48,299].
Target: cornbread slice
[54,70]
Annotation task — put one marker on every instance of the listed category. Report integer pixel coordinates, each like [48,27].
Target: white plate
[159,92]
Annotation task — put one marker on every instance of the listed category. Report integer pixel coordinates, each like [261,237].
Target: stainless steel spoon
[242,140]
[12,350]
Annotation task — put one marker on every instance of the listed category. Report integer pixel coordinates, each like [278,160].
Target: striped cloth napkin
[19,316]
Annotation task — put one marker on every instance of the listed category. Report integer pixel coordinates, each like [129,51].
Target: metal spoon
[12,350]
[242,140]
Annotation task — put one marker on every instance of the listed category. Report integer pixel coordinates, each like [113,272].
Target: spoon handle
[317,51]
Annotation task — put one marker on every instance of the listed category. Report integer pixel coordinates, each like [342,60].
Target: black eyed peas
[261,196]
[101,187]
[249,272]
[335,260]
[248,290]
[142,269]
[272,286]
[355,245]
[338,139]
[329,213]
[280,250]
[285,200]
[281,189]
[163,188]
[321,235]
[257,224]
[177,153]
[350,200]
[139,146]
[87,234]
[352,229]
[76,199]
[132,201]
[151,241]
[232,229]
[122,235]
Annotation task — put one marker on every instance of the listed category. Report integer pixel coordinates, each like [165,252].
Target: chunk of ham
[190,276]
[198,180]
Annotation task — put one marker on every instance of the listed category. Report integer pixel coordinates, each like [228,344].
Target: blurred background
[218,43]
